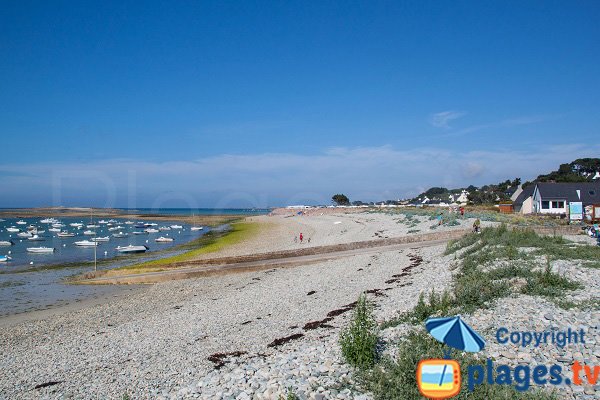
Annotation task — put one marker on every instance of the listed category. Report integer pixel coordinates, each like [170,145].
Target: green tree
[340,199]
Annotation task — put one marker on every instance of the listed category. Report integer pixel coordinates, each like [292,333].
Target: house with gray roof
[523,200]
[554,198]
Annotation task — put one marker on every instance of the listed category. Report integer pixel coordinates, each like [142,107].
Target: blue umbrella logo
[454,332]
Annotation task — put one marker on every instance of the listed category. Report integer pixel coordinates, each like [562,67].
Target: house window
[558,204]
[545,205]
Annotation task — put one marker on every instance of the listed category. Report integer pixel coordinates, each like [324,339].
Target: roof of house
[511,190]
[590,191]
[527,192]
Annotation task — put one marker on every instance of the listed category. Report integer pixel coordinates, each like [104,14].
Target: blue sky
[267,103]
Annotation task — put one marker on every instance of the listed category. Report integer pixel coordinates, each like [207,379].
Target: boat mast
[95,242]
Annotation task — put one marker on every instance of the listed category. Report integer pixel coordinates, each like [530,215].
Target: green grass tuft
[359,340]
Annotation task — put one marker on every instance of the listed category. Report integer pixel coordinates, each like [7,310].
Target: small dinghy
[36,238]
[24,235]
[140,232]
[45,250]
[21,222]
[89,233]
[132,249]
[5,258]
[7,243]
[65,234]
[163,239]
[120,235]
[176,226]
[152,230]
[196,228]
[12,229]
[101,239]
[86,243]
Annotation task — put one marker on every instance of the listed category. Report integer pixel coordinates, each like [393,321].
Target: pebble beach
[256,335]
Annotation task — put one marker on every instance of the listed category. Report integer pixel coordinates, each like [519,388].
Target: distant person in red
[301,237]
[462,211]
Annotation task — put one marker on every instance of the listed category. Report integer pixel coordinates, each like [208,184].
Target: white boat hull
[41,250]
[131,249]
[86,243]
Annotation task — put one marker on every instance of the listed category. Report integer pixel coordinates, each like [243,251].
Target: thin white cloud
[367,173]
[506,123]
[442,119]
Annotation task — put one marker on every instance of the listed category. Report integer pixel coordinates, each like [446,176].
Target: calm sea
[31,281]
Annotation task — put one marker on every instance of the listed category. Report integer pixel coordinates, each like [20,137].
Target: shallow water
[24,288]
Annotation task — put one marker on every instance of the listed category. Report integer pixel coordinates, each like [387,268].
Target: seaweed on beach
[311,293]
[219,358]
[284,340]
[318,324]
[46,384]
[415,262]
[376,292]
[340,311]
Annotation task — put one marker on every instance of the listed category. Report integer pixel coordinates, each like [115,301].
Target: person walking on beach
[476,225]
[462,211]
[301,237]
[439,218]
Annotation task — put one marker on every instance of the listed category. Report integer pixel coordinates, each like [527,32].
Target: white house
[554,198]
[463,198]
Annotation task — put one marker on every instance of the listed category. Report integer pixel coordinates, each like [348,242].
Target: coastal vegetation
[494,264]
[359,340]
[410,216]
